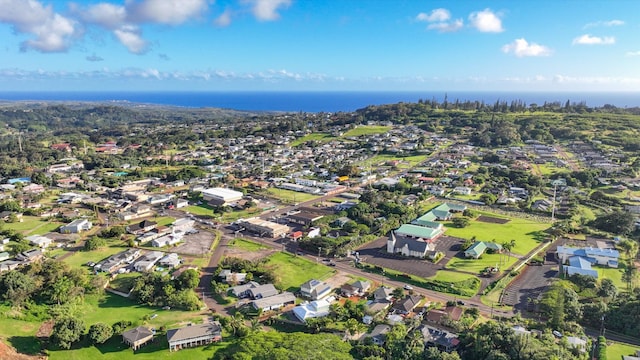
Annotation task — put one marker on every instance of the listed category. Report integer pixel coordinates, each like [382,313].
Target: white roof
[222,193]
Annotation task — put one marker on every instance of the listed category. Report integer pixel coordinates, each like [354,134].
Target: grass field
[33,225]
[613,274]
[291,196]
[527,233]
[294,270]
[616,351]
[406,162]
[80,258]
[367,130]
[124,282]
[321,137]
[477,265]
[199,209]
[247,245]
[451,276]
[164,220]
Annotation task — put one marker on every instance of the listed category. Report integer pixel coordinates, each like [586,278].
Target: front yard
[294,270]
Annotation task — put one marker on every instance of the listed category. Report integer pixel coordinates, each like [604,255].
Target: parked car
[408,287]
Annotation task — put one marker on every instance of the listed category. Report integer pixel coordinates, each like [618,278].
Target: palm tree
[255,325]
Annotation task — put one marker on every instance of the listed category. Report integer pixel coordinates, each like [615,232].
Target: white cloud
[521,48]
[633,53]
[168,12]
[131,38]
[224,19]
[267,10]
[587,39]
[608,23]
[486,21]
[439,15]
[52,31]
[103,14]
[447,26]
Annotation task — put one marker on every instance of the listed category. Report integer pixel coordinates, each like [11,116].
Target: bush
[99,333]
[119,327]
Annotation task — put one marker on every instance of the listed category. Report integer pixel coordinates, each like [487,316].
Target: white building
[76,226]
[40,241]
[221,196]
[314,309]
[166,240]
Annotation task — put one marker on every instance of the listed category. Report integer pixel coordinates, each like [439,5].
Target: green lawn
[321,137]
[616,351]
[33,225]
[164,220]
[406,162]
[477,265]
[527,233]
[613,274]
[124,282]
[199,209]
[290,195]
[451,276]
[367,130]
[294,270]
[80,258]
[247,245]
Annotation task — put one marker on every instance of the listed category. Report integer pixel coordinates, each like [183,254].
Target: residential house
[376,306]
[39,241]
[577,343]
[604,257]
[4,256]
[242,291]
[406,305]
[112,263]
[9,265]
[262,291]
[315,289]
[443,340]
[30,256]
[166,240]
[170,260]
[314,309]
[383,293]
[137,337]
[274,302]
[232,278]
[579,265]
[194,335]
[438,316]
[141,227]
[77,226]
[358,288]
[147,261]
[379,334]
[479,247]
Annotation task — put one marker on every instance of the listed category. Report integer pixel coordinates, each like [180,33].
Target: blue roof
[571,270]
[602,252]
[579,262]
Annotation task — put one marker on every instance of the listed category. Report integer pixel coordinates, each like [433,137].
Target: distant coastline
[316,101]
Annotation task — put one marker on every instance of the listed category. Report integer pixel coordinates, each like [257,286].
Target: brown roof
[137,334]
[193,331]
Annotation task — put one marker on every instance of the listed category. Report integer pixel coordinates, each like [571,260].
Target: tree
[189,279]
[617,222]
[630,275]
[93,243]
[488,199]
[66,331]
[16,287]
[460,222]
[99,333]
[607,289]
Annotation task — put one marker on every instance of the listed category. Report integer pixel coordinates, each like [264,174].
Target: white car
[408,287]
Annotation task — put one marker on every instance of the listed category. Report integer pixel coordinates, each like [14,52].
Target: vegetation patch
[291,196]
[367,130]
[475,266]
[291,271]
[247,245]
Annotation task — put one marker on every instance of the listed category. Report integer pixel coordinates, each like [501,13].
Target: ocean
[328,101]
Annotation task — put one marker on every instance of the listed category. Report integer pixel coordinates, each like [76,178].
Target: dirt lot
[375,253]
[492,220]
[195,244]
[9,353]
[247,255]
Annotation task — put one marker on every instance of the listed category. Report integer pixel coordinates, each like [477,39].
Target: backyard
[616,351]
[291,196]
[33,225]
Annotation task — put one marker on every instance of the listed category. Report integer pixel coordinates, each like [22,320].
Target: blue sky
[320,45]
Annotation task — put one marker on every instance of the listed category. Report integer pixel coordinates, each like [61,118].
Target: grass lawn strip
[293,270]
[290,195]
[81,258]
[199,209]
[33,225]
[245,244]
[477,265]
[613,274]
[367,130]
[617,350]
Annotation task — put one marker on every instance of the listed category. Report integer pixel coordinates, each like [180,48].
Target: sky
[320,45]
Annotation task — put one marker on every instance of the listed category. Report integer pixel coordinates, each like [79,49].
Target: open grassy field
[527,233]
[80,258]
[295,270]
[321,137]
[613,274]
[477,265]
[247,245]
[291,196]
[367,130]
[451,276]
[203,209]
[33,225]
[164,220]
[616,351]
[124,282]
[406,162]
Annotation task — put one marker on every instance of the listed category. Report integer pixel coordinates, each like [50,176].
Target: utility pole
[553,209]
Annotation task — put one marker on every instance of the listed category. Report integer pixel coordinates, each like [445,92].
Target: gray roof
[285,297]
[263,291]
[137,334]
[413,244]
[193,331]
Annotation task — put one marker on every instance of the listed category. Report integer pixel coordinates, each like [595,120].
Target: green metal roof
[478,248]
[418,231]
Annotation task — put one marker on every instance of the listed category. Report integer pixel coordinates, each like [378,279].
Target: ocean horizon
[317,101]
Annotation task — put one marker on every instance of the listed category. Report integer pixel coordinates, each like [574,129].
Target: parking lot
[375,253]
[195,244]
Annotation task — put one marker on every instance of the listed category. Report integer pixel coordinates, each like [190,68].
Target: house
[264,228]
[77,226]
[167,240]
[183,225]
[39,241]
[383,293]
[137,337]
[443,340]
[232,278]
[274,302]
[479,247]
[437,316]
[579,265]
[7,215]
[9,265]
[242,291]
[147,261]
[462,190]
[315,289]
[194,335]
[30,256]
[170,260]
[112,263]
[577,343]
[314,309]
[341,221]
[4,256]
[404,306]
[379,334]
[357,288]
[262,291]
[141,227]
